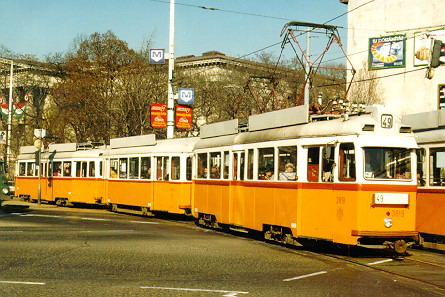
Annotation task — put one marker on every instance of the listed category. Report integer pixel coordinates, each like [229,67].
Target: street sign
[184,117]
[40,133]
[157,56]
[158,115]
[186,96]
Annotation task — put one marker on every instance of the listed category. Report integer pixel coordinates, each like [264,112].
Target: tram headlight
[387,222]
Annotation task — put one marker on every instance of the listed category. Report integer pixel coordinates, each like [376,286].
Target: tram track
[394,273]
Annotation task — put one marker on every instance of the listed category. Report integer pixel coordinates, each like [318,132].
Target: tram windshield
[387,163]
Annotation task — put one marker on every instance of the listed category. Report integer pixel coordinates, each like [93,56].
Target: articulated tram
[429,131]
[350,179]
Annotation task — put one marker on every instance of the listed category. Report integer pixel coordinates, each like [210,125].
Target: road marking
[12,231]
[37,215]
[380,262]
[21,283]
[226,293]
[144,222]
[93,219]
[304,276]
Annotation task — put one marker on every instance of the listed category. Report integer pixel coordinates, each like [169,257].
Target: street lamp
[8,135]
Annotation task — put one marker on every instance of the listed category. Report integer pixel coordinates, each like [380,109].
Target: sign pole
[171,60]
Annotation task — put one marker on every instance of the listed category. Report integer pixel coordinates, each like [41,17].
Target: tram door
[318,197]
[236,202]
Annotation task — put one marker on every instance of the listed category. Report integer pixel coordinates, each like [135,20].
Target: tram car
[349,180]
[429,131]
[149,175]
[70,174]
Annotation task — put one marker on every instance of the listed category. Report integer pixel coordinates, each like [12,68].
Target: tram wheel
[400,246]
[114,207]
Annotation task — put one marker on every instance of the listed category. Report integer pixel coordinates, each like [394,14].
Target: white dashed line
[304,276]
[226,293]
[144,222]
[21,283]
[380,262]
[93,219]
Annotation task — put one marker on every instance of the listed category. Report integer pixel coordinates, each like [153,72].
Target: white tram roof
[175,145]
[429,127]
[369,125]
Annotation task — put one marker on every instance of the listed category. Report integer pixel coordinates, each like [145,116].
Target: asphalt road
[49,251]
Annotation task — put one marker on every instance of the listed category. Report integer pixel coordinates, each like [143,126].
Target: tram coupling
[398,246]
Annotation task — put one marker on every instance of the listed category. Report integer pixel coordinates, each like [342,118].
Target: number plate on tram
[391,198]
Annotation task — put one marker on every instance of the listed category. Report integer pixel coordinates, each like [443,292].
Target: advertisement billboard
[158,115]
[422,45]
[184,117]
[387,52]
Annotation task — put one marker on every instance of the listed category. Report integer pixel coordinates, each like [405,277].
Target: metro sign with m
[186,96]
[157,56]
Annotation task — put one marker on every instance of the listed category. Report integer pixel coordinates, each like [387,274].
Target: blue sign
[186,96]
[157,56]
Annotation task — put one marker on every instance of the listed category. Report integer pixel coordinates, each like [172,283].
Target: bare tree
[366,87]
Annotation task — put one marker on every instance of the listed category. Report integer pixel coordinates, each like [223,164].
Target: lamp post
[8,134]
[171,65]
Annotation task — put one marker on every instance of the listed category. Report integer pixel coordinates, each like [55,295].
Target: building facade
[392,38]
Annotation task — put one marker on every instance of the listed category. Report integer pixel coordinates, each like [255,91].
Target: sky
[236,28]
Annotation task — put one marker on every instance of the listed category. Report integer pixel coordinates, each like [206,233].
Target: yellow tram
[430,135]
[71,173]
[149,175]
[349,180]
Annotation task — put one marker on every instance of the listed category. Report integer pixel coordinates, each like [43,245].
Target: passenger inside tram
[289,173]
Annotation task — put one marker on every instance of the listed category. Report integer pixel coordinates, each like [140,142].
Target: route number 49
[386,121]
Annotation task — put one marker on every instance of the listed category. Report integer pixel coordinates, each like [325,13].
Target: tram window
[328,164]
[113,168]
[134,168]
[188,163]
[145,168]
[22,169]
[175,169]
[101,164]
[313,164]
[347,162]
[123,168]
[83,171]
[159,171]
[235,166]
[202,165]
[387,163]
[215,165]
[421,167]
[250,164]
[437,167]
[287,163]
[226,165]
[66,168]
[36,170]
[266,163]
[29,169]
[92,169]
[165,167]
[57,169]
[242,160]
